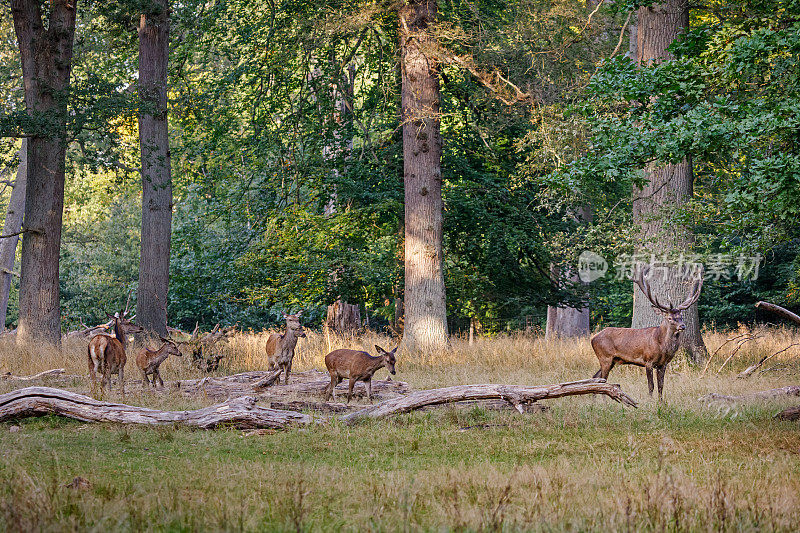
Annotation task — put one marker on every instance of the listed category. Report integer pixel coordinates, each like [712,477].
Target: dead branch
[47,373]
[89,332]
[239,412]
[749,370]
[791,413]
[778,310]
[242,412]
[270,379]
[515,395]
[793,390]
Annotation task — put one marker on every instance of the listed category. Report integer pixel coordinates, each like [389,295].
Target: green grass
[583,465]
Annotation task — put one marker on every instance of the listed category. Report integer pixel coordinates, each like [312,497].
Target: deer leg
[288,371]
[660,371]
[605,368]
[350,389]
[145,381]
[121,380]
[329,389]
[157,374]
[648,369]
[368,384]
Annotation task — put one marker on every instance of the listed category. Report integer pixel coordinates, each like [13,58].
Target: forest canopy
[286,149]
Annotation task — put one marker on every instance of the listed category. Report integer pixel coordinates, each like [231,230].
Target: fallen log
[792,390]
[792,413]
[515,395]
[778,310]
[241,413]
[47,373]
[244,413]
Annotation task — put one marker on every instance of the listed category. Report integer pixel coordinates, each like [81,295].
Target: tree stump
[343,317]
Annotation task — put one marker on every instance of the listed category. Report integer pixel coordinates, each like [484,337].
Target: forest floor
[583,464]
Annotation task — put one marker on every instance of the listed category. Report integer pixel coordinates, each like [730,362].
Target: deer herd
[652,348]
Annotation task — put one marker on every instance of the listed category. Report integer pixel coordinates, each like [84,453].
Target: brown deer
[652,347]
[149,361]
[356,366]
[280,348]
[106,353]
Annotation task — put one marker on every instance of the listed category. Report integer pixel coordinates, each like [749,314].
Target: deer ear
[285,315]
[299,313]
[380,350]
[394,350]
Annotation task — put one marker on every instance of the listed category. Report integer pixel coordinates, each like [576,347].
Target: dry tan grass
[513,359]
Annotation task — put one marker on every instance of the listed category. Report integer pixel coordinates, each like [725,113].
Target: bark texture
[239,412]
[244,413]
[343,317]
[425,309]
[566,322]
[12,224]
[151,303]
[46,55]
[669,187]
[515,395]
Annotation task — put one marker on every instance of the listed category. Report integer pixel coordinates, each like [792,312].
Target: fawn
[149,361]
[280,348]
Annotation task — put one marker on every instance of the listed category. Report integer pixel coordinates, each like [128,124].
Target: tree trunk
[343,317]
[12,224]
[425,308]
[151,303]
[46,63]
[669,188]
[566,322]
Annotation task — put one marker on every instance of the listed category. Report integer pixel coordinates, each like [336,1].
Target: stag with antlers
[648,347]
[106,353]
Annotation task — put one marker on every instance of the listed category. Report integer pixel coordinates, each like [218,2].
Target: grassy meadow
[585,464]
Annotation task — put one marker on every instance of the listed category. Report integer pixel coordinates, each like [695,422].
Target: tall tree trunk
[566,322]
[46,63]
[669,188]
[151,303]
[12,224]
[425,308]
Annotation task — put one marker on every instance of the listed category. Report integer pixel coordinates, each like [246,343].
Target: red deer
[648,347]
[149,361]
[106,353]
[280,348]
[356,366]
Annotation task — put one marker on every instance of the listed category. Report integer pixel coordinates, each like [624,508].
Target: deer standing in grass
[356,366]
[106,353]
[652,347]
[280,348]
[149,361]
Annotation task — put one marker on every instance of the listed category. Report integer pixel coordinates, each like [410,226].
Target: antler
[644,270]
[694,295]
[127,303]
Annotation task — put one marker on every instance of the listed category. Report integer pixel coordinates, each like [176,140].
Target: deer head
[293,324]
[171,347]
[389,358]
[673,315]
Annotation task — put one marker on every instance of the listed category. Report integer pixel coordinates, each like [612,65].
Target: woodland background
[276,107]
